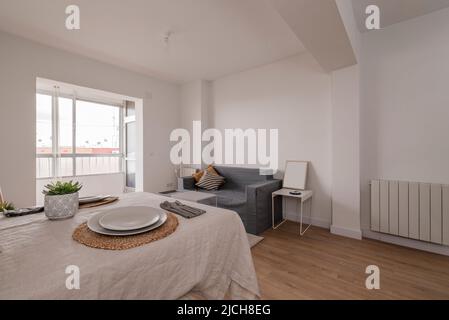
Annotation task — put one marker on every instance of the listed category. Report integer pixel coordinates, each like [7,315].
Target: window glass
[65,125]
[130,109]
[44,167]
[97,165]
[131,140]
[43,124]
[97,128]
[65,167]
[131,174]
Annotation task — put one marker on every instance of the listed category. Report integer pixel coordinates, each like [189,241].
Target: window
[130,150]
[77,137]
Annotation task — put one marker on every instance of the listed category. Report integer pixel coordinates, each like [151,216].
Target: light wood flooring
[321,265]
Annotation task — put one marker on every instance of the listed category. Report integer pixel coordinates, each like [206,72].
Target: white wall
[345,153]
[195,103]
[294,96]
[21,61]
[191,101]
[195,106]
[405,103]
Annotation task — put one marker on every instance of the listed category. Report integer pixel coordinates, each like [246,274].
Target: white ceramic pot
[61,207]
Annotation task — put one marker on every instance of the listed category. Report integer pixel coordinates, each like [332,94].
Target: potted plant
[6,206]
[61,199]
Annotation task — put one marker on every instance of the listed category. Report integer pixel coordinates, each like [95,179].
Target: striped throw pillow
[210,181]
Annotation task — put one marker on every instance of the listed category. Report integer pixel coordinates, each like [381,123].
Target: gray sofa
[246,192]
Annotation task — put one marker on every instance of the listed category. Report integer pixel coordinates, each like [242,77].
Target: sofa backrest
[239,178]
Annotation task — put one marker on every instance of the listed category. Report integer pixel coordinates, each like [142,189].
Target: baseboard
[405,242]
[322,223]
[346,232]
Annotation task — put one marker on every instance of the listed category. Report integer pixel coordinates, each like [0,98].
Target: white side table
[306,195]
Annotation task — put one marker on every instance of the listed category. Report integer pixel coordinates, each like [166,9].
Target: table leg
[272,213]
[302,232]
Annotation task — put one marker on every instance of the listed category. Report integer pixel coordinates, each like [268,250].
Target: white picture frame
[295,175]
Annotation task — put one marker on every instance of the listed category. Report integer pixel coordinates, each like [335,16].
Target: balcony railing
[77,165]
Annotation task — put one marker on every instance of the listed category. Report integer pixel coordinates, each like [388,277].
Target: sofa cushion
[210,181]
[197,176]
[238,178]
[231,198]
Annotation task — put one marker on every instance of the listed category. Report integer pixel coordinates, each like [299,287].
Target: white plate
[94,225]
[90,199]
[129,218]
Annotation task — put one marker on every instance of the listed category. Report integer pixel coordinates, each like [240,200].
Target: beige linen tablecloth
[208,255]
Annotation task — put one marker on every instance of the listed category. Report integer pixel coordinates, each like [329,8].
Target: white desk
[301,199]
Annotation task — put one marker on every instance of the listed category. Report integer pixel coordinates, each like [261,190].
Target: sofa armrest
[258,197]
[188,183]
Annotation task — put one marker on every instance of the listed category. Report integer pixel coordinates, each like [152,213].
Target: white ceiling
[395,11]
[211,38]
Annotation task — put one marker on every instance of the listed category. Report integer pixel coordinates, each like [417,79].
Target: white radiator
[411,209]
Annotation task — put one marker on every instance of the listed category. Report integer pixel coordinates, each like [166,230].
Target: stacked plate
[126,221]
[92,199]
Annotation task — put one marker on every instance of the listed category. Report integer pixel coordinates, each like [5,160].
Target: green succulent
[60,188]
[5,206]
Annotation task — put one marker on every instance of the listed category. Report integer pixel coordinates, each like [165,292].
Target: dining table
[207,256]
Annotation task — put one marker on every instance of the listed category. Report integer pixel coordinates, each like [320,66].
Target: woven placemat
[84,235]
[99,203]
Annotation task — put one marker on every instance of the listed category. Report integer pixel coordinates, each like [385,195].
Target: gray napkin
[22,212]
[182,209]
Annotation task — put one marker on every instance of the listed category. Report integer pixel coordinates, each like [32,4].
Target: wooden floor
[321,265]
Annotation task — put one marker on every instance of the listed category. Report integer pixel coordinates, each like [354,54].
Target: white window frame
[55,143]
[126,120]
